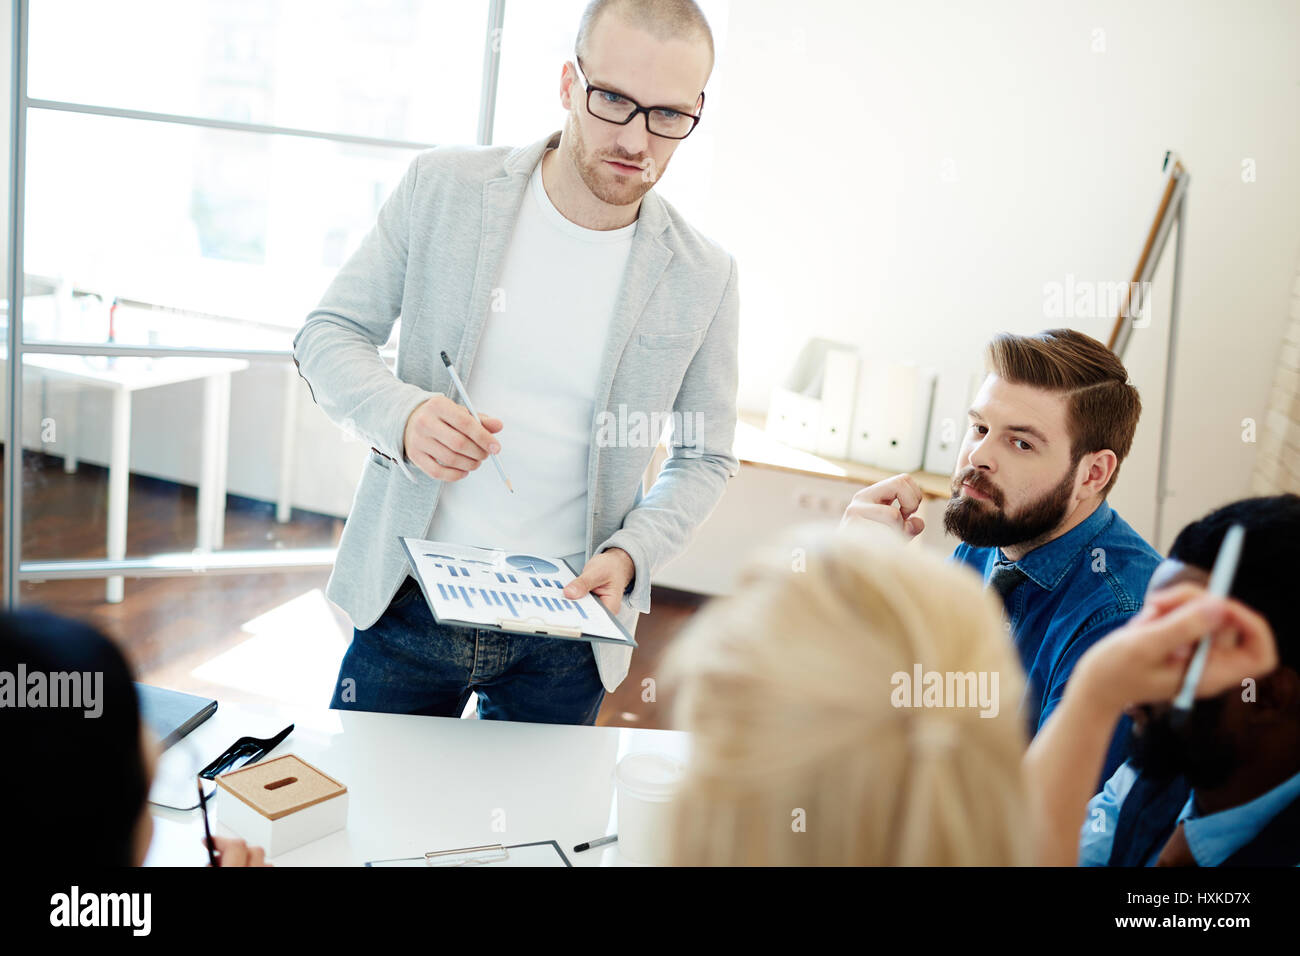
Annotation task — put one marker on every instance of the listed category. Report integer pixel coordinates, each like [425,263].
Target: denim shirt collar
[1048,564]
[1215,837]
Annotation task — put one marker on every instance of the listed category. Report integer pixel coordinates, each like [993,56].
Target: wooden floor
[209,634]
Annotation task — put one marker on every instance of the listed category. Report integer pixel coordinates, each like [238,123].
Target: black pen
[594,843]
[207,831]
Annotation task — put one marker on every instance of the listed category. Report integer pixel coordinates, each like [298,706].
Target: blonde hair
[788,689]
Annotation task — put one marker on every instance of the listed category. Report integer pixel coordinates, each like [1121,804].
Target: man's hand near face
[893,502]
[607,576]
[1144,661]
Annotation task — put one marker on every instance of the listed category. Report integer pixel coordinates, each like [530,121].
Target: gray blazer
[434,256]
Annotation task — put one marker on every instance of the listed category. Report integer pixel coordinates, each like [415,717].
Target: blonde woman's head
[808,746]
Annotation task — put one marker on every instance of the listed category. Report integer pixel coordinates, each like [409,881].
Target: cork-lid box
[282,803]
[279,786]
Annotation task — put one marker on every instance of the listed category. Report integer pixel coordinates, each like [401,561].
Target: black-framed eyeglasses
[666,121]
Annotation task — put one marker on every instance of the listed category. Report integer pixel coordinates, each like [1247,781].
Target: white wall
[842,119]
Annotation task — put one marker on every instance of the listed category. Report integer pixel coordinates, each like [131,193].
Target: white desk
[430,783]
[123,376]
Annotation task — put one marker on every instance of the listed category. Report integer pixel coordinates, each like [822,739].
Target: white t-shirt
[537,369]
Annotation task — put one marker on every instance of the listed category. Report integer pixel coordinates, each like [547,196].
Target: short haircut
[663,19]
[1102,407]
[1269,556]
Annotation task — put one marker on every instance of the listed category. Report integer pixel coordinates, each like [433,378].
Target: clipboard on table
[543,853]
[499,590]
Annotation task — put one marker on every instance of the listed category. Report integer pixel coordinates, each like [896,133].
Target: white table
[430,783]
[123,376]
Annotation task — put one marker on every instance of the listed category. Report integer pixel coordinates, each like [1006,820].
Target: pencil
[1225,569]
[468,404]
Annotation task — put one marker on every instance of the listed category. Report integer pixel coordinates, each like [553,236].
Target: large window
[193,174]
[178,221]
[248,225]
[393,69]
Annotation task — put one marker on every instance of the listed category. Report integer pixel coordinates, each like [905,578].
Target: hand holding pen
[447,441]
[464,393]
[1187,642]
[227,851]
[1225,569]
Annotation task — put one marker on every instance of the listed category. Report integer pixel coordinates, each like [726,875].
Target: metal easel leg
[1162,468]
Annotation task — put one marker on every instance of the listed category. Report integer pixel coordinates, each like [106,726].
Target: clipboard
[507,592]
[493,854]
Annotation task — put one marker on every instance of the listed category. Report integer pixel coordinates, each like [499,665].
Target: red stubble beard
[606,183]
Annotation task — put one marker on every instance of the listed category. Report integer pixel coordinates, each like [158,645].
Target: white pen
[465,395]
[1225,569]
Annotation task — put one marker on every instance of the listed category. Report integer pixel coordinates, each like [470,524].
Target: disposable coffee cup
[645,784]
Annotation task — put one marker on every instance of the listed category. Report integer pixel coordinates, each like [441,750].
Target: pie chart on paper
[525,562]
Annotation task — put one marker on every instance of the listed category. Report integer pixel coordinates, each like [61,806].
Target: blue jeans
[407,663]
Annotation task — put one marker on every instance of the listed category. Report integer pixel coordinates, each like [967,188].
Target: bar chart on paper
[519,593]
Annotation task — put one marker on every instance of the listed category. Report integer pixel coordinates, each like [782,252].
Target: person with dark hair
[1048,431]
[70,719]
[1221,787]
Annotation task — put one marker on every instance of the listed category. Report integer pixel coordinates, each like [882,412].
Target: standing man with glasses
[577,306]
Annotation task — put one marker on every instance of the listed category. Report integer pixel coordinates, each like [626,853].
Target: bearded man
[1048,430]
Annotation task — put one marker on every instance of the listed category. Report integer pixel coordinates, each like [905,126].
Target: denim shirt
[1079,588]
[1211,838]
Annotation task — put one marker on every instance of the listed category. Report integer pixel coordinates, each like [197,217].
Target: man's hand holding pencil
[446,442]
[1146,660]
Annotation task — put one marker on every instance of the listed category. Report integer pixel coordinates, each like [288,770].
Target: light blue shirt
[1211,838]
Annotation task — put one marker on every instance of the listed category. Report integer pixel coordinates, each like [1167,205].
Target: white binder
[891,421]
[794,419]
[954,392]
[812,409]
[839,387]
